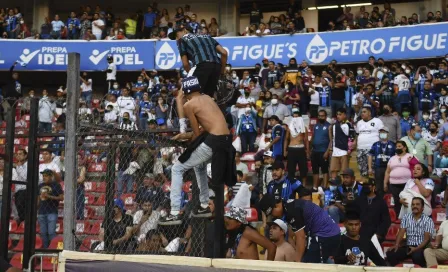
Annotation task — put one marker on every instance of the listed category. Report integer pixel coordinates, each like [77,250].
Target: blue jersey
[116,92]
[324,96]
[406,125]
[73,25]
[11,23]
[426,100]
[349,93]
[277,148]
[144,107]
[382,152]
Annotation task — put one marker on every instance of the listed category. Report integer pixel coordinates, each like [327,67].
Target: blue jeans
[45,127]
[80,202]
[335,105]
[87,96]
[122,179]
[198,160]
[47,224]
[143,123]
[336,214]
[248,139]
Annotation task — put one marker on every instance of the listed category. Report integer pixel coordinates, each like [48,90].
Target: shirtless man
[297,146]
[243,239]
[277,232]
[215,140]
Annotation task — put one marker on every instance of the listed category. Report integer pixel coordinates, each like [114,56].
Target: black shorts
[208,75]
[318,162]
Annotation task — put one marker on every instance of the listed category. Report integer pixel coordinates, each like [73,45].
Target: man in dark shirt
[209,58]
[50,194]
[11,91]
[119,228]
[355,249]
[440,79]
[306,218]
[255,15]
[345,194]
[270,75]
[373,211]
[149,192]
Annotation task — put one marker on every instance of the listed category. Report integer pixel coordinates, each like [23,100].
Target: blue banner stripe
[405,42]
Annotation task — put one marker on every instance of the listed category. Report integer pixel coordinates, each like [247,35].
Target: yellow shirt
[292,74]
[131,26]
[259,104]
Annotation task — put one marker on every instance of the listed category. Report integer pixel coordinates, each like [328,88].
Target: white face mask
[403,66]
[385,70]
[139,81]
[408,71]
[359,72]
[115,86]
[274,101]
[227,68]
[268,136]
[187,21]
[333,188]
[286,87]
[343,72]
[31,95]
[383,136]
[234,75]
[442,110]
[425,117]
[203,25]
[248,110]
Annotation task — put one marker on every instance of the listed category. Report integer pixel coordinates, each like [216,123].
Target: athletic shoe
[171,220]
[202,212]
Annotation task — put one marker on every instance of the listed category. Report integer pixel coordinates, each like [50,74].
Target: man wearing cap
[50,194]
[277,233]
[373,211]
[202,51]
[281,187]
[379,156]
[120,227]
[297,148]
[243,238]
[355,249]
[213,144]
[265,174]
[345,194]
[149,192]
[277,138]
[306,219]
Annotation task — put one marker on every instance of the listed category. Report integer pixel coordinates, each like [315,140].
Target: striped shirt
[199,48]
[415,230]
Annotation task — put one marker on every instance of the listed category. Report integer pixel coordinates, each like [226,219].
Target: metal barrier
[52,260]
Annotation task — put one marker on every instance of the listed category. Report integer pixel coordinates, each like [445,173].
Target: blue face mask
[333,188]
[441,71]
[417,135]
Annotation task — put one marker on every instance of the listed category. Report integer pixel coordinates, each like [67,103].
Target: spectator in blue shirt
[320,143]
[247,130]
[139,88]
[144,107]
[57,26]
[379,156]
[149,22]
[406,121]
[426,98]
[12,24]
[115,89]
[195,26]
[73,26]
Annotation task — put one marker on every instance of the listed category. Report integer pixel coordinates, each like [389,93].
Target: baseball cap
[268,154]
[237,213]
[279,223]
[190,84]
[119,203]
[348,172]
[267,204]
[274,117]
[336,181]
[278,165]
[386,129]
[47,172]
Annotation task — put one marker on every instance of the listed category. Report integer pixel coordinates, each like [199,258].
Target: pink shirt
[400,169]
[427,183]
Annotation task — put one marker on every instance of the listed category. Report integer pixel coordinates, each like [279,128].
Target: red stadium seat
[392,233]
[128,199]
[101,201]
[12,226]
[20,244]
[408,265]
[60,227]
[393,215]
[97,167]
[101,187]
[57,243]
[387,198]
[252,215]
[21,228]
[187,186]
[248,156]
[87,243]
[16,259]
[82,227]
[438,215]
[95,229]
[47,264]
[251,166]
[89,213]
[89,199]
[39,242]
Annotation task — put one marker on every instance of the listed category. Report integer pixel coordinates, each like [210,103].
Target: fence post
[71,142]
[7,177]
[32,184]
[110,192]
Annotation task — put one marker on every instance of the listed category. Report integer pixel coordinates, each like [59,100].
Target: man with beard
[418,228]
[277,233]
[243,238]
[145,220]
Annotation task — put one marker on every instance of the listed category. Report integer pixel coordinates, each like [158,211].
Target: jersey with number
[402,82]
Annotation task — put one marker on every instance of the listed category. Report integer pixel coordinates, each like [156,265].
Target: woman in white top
[164,18]
[420,184]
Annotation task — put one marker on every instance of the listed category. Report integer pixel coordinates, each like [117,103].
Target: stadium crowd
[293,125]
[155,23]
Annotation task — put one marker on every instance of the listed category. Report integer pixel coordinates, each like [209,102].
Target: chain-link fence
[124,163]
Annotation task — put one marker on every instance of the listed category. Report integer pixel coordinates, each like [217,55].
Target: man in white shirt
[49,164]
[97,26]
[368,130]
[57,26]
[20,174]
[126,103]
[438,252]
[402,84]
[111,72]
[244,101]
[275,108]
[86,89]
[145,220]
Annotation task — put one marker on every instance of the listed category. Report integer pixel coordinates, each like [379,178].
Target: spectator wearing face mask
[440,78]
[392,122]
[406,121]
[277,109]
[247,130]
[419,147]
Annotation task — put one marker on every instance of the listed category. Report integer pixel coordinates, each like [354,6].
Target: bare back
[208,114]
[285,252]
[247,249]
